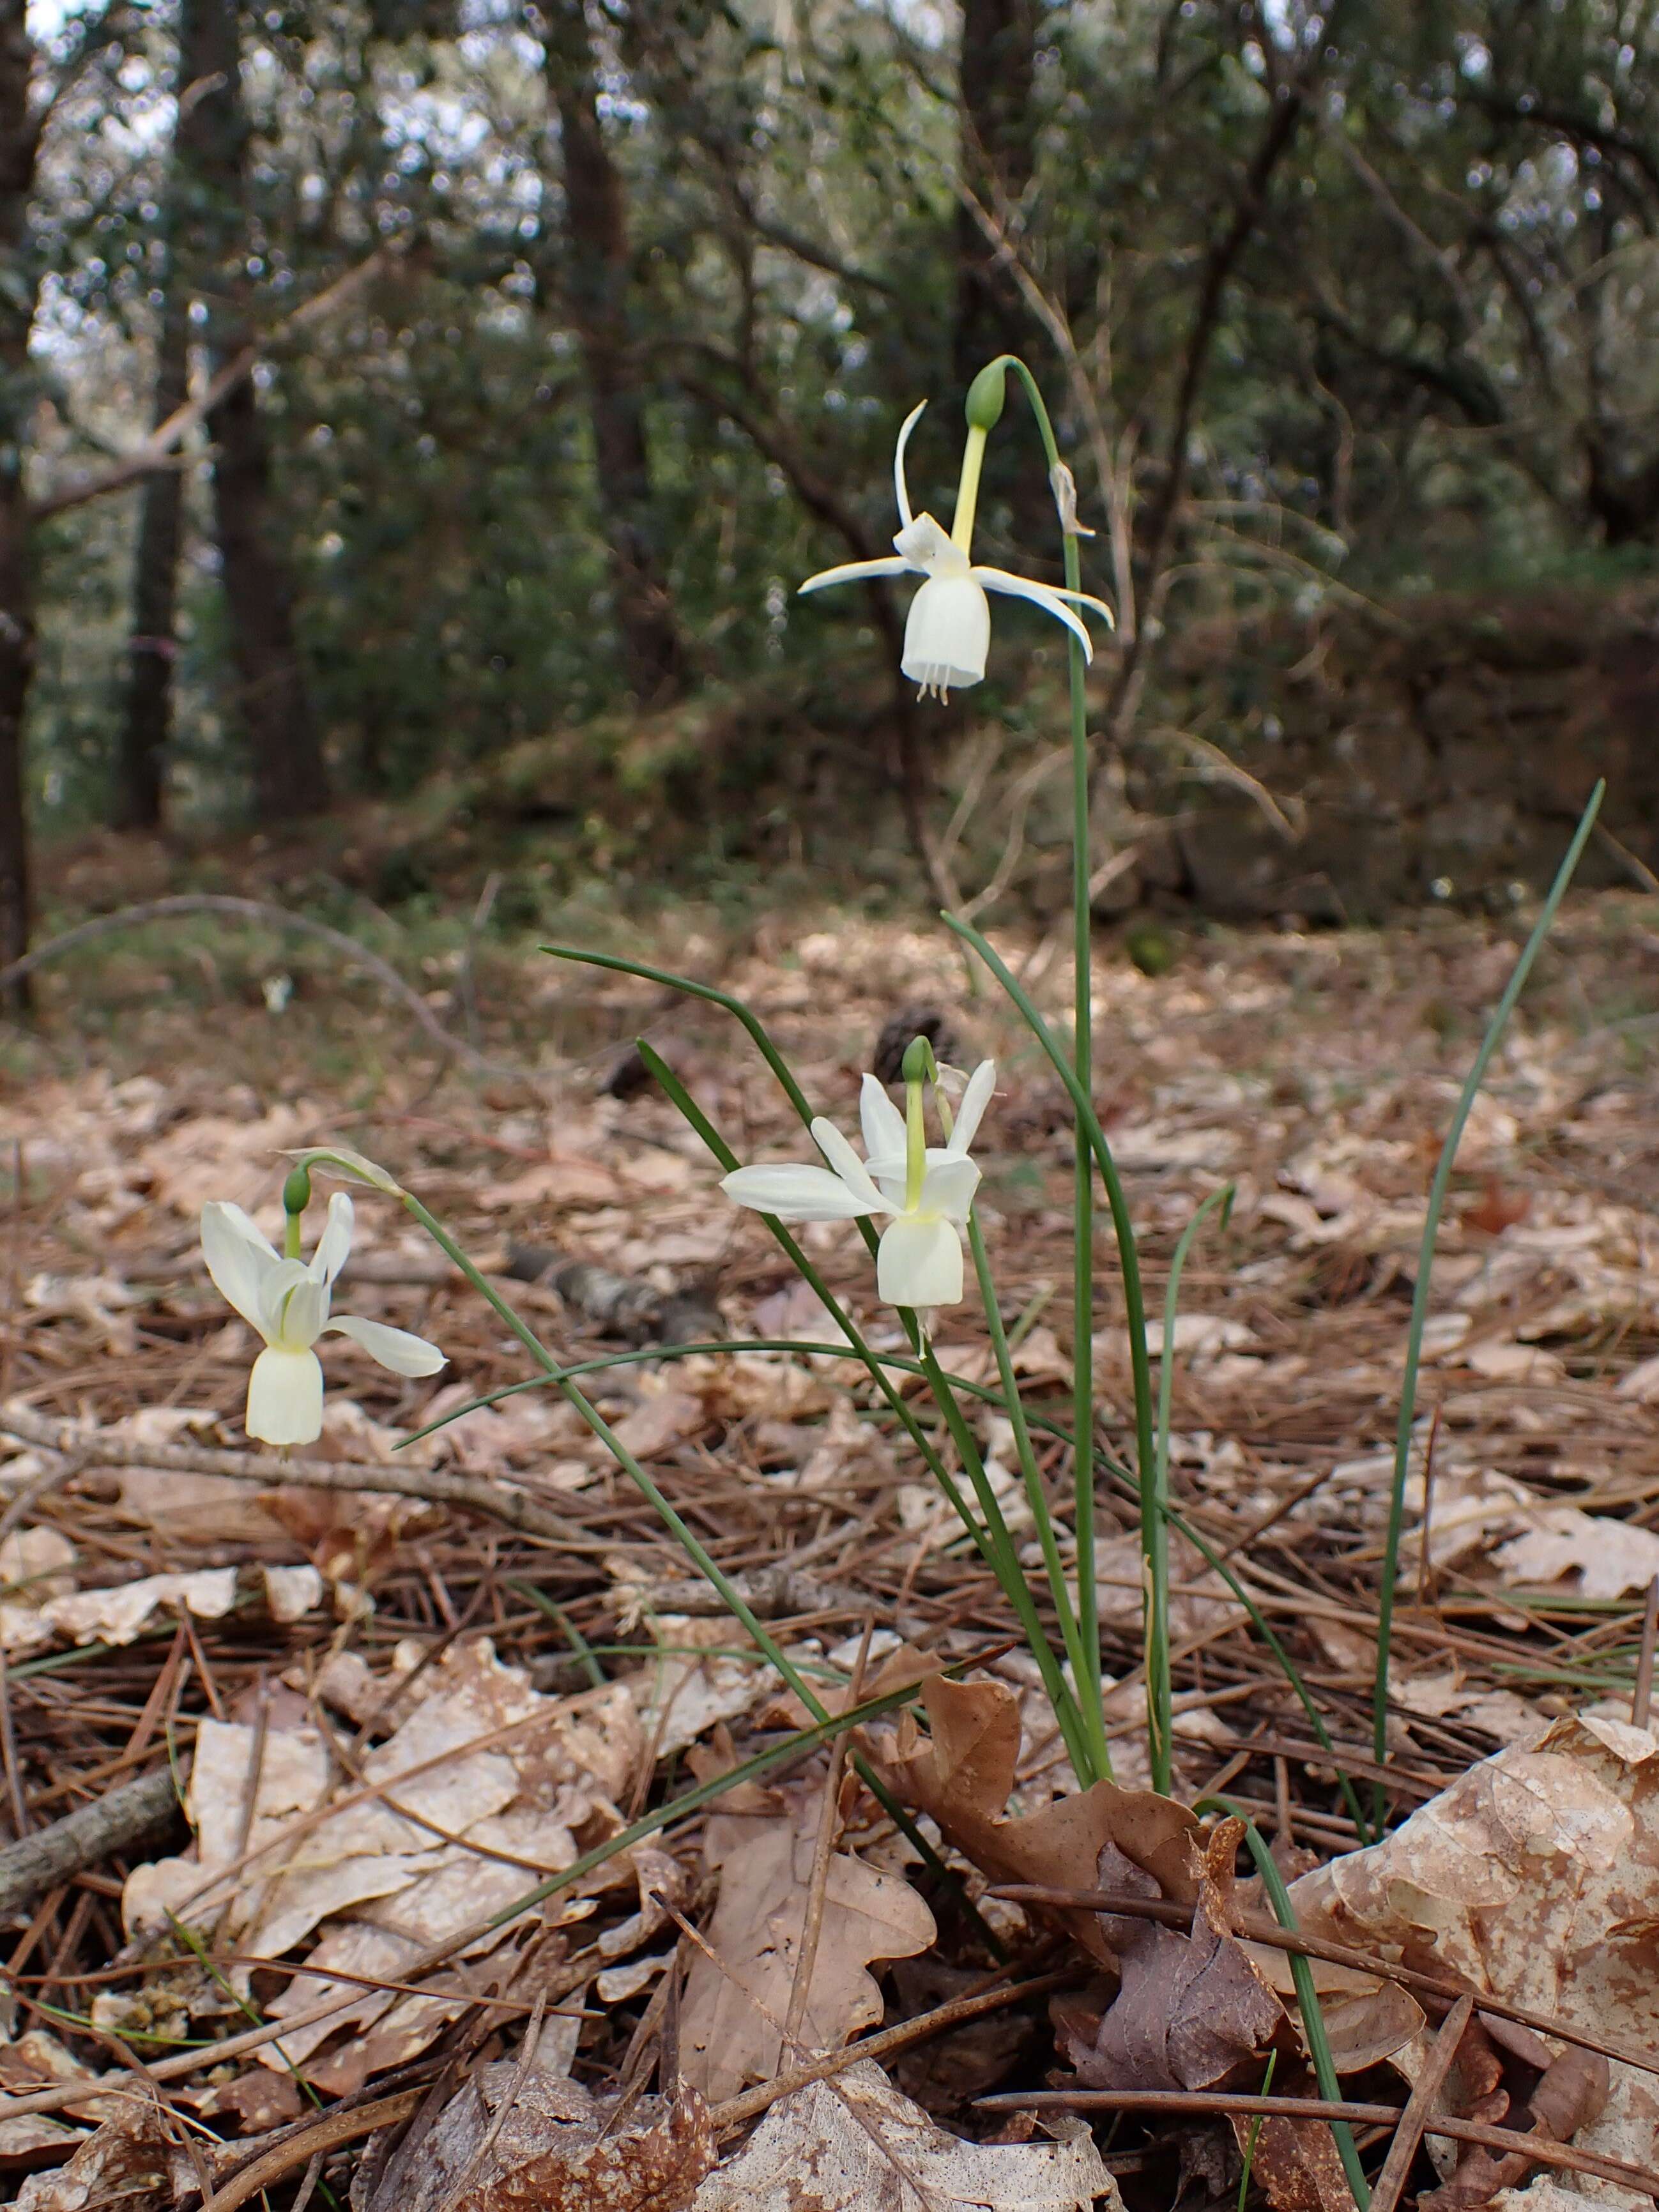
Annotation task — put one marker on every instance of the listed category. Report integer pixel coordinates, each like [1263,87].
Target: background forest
[414,401]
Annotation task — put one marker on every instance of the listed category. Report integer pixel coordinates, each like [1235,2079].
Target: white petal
[927,545]
[901,489]
[798,1194]
[947,635]
[334,1245]
[301,1314]
[241,1261]
[918,1263]
[974,1100]
[880,1120]
[285,1397]
[1039,595]
[854,572]
[846,1164]
[948,1188]
[400,1350]
[1087,599]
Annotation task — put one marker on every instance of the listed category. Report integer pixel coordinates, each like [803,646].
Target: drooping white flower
[924,1192]
[286,1301]
[948,631]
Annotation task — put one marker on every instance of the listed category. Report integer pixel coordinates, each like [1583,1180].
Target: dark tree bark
[998,153]
[18,278]
[147,712]
[595,272]
[284,742]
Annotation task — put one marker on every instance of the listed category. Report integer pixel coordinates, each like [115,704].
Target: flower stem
[1083,1188]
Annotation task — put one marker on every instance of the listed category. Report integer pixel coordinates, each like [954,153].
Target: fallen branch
[82,1838]
[270,1471]
[314,2140]
[185,903]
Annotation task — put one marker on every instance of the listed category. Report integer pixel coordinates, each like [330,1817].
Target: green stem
[1092,1707]
[1083,1189]
[1437,1190]
[1128,1253]
[1307,1996]
[1154,1514]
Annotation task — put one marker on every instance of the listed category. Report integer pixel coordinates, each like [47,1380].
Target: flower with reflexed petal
[948,632]
[925,1191]
[286,1300]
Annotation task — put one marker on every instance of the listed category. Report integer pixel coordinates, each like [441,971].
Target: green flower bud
[296,1191]
[917,1066]
[985,394]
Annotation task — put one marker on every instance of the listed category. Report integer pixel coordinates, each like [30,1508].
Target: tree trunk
[998,153]
[284,742]
[596,279]
[147,717]
[19,277]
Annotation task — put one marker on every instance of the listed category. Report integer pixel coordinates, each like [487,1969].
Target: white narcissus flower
[286,1302]
[926,1192]
[948,632]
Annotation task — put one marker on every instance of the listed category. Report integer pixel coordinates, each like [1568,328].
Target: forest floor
[496,1615]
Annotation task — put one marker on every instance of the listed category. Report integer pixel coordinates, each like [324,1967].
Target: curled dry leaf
[962,1774]
[856,2145]
[1192,2011]
[736,2001]
[1535,1878]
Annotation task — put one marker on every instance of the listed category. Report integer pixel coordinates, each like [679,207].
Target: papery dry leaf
[117,1615]
[1535,1878]
[1296,2165]
[680,1695]
[1191,2011]
[1605,1558]
[552,2152]
[23,2140]
[134,2157]
[735,2002]
[859,2146]
[962,1774]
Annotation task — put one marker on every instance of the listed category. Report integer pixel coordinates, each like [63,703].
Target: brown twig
[1387,2189]
[1268,1932]
[1534,2147]
[82,1837]
[270,1472]
[325,2134]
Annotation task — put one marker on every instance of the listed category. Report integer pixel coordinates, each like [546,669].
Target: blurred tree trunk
[285,743]
[998,153]
[596,282]
[19,279]
[147,712]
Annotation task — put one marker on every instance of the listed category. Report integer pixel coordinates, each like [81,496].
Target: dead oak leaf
[1192,2011]
[962,1774]
[856,2145]
[735,2001]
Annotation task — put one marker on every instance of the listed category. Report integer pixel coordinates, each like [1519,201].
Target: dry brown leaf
[1535,1878]
[962,1774]
[1192,2011]
[551,2151]
[1298,2166]
[135,2158]
[735,2002]
[857,2146]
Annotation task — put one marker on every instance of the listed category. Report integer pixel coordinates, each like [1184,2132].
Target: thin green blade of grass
[1307,1996]
[1437,1192]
